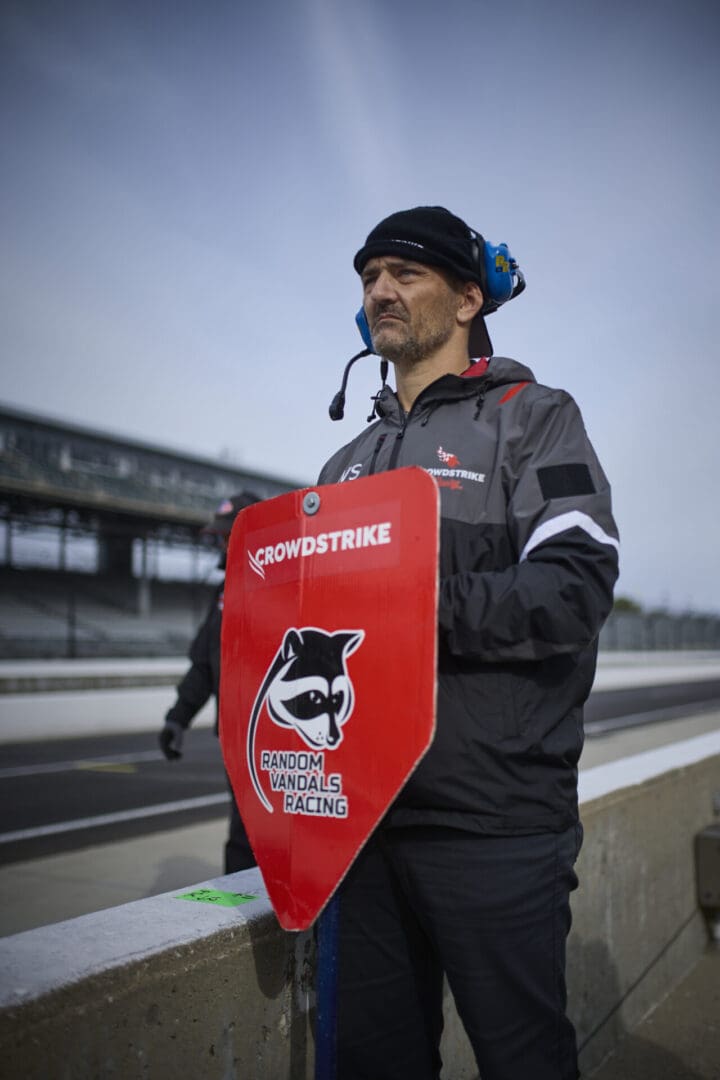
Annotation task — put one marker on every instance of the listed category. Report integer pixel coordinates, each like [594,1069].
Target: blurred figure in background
[203,679]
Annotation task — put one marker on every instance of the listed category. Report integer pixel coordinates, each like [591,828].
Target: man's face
[411,308]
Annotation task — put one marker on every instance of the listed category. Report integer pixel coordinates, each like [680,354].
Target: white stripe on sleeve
[573,519]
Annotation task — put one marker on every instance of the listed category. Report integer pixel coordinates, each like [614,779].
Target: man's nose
[382,288]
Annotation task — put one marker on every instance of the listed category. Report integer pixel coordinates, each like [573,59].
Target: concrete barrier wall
[166,986]
[637,929]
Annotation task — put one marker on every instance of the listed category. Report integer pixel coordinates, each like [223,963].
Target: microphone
[337,406]
[374,398]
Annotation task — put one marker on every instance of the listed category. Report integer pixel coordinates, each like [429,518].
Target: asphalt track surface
[71,793]
[67,794]
[614,710]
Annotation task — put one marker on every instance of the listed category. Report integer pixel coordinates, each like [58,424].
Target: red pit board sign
[328,668]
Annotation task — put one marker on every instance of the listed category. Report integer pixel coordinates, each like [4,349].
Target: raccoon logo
[307,688]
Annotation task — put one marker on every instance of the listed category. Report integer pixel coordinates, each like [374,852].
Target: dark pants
[493,914]
[238,853]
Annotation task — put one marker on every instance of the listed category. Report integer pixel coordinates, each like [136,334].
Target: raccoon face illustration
[306,687]
[312,692]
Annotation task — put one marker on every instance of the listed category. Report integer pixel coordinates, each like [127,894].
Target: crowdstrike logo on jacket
[447,457]
[452,474]
[325,543]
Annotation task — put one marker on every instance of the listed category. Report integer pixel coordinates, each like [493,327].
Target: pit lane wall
[169,987]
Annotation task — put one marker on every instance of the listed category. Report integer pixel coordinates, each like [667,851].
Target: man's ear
[470,303]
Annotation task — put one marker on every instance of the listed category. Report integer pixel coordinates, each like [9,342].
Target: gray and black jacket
[528,561]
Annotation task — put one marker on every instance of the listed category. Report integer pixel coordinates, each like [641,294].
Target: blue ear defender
[362,325]
[499,271]
[502,279]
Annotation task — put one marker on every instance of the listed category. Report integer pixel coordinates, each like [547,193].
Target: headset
[499,274]
[501,280]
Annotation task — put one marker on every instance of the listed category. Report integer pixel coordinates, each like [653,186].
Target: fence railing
[53,615]
[660,630]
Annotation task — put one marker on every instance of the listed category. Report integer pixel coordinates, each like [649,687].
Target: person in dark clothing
[202,680]
[470,873]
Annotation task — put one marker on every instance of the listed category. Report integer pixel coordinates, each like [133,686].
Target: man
[203,679]
[471,870]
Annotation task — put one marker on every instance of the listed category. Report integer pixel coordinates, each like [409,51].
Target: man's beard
[411,350]
[432,332]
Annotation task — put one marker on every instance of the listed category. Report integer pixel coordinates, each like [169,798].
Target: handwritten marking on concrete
[214,896]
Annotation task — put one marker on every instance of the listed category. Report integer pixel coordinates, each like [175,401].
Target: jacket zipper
[397,445]
[395,452]
[376,451]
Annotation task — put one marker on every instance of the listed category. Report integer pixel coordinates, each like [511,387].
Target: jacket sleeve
[556,596]
[197,684]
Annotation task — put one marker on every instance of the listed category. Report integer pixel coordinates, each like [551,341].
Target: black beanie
[427,234]
[432,235]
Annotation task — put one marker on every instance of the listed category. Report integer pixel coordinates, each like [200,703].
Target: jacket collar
[498,371]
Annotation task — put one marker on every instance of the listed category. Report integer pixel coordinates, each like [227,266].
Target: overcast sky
[184,185]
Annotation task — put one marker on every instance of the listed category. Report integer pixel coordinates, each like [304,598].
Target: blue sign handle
[326,992]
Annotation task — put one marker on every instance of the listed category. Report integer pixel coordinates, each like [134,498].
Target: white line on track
[652,716]
[113,819]
[79,763]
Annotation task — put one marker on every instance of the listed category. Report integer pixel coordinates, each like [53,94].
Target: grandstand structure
[89,524]
[101,553]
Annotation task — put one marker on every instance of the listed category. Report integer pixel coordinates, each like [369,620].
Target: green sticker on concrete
[214,896]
